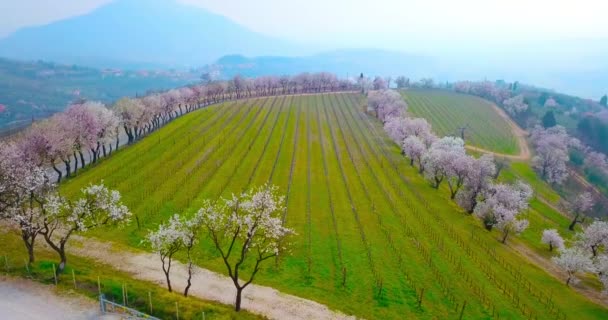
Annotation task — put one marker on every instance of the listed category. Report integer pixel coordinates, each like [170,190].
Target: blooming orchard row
[552,144]
[244,229]
[445,160]
[94,129]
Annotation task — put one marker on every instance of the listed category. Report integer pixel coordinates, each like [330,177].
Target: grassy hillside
[373,236]
[448,111]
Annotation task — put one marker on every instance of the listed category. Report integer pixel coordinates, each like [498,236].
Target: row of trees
[471,183]
[95,130]
[33,205]
[587,252]
[552,143]
[444,160]
[245,230]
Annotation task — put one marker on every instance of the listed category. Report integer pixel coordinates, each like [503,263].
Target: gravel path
[26,300]
[206,284]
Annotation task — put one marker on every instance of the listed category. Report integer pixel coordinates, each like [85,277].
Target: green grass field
[448,111]
[363,216]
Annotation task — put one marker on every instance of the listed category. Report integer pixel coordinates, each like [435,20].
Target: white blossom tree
[246,229]
[552,238]
[594,238]
[62,218]
[600,264]
[574,260]
[167,241]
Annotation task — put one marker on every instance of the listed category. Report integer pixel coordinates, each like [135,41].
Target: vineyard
[373,238]
[449,112]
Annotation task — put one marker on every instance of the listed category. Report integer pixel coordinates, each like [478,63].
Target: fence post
[27,267]
[102,305]
[98,285]
[74,278]
[55,274]
[176,310]
[6,264]
[150,301]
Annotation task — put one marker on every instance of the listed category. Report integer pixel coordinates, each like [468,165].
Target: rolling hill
[36,89]
[449,112]
[343,62]
[372,235]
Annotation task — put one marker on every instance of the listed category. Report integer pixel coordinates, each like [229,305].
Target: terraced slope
[448,112]
[374,240]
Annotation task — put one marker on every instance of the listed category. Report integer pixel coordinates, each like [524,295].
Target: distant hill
[140,34]
[38,89]
[342,62]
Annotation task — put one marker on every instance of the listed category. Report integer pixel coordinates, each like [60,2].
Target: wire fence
[115,296]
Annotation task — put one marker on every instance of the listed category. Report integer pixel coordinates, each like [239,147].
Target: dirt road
[27,300]
[206,284]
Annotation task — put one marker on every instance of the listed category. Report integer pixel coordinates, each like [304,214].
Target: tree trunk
[237,304]
[63,261]
[59,174]
[68,169]
[189,281]
[104,151]
[550,246]
[29,245]
[94,155]
[75,163]
[82,162]
[504,237]
[168,282]
[573,223]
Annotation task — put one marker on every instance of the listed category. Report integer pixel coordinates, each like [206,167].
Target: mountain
[346,62]
[137,34]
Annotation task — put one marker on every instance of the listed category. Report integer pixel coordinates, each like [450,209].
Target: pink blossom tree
[386,104]
[515,105]
[579,207]
[379,84]
[502,206]
[23,186]
[477,180]
[414,149]
[129,111]
[439,157]
[551,153]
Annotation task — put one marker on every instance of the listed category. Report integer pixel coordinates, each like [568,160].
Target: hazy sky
[381,23]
